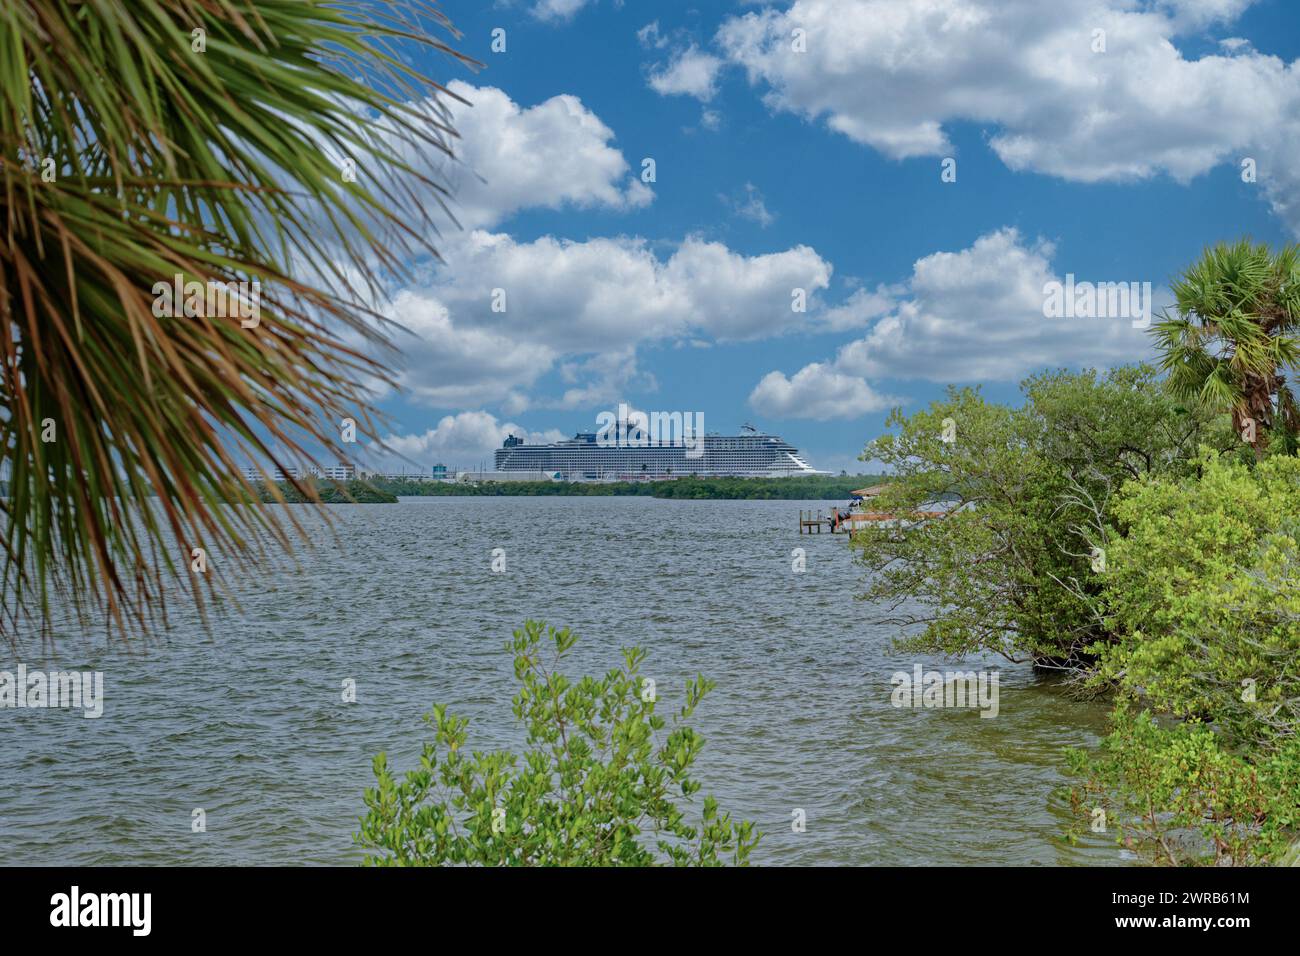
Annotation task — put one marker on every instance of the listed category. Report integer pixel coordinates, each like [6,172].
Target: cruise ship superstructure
[583,458]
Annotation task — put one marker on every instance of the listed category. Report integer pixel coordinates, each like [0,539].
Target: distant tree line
[331,493]
[815,487]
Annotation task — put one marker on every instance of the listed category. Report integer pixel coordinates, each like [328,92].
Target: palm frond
[1234,331]
[132,158]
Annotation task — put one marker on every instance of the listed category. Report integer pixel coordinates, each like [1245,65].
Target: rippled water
[248,723]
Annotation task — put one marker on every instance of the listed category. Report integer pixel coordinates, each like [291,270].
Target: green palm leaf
[1236,333]
[131,156]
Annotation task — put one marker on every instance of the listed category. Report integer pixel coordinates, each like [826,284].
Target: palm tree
[1235,338]
[147,143]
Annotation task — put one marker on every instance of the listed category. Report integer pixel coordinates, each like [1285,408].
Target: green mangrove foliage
[415,488]
[1009,568]
[1119,527]
[1202,591]
[1182,795]
[597,786]
[325,492]
[810,488]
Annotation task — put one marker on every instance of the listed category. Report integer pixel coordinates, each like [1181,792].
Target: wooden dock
[846,522]
[810,525]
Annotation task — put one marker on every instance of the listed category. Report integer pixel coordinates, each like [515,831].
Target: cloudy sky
[798,152]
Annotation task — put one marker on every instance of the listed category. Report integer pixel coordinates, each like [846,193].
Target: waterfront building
[339,472]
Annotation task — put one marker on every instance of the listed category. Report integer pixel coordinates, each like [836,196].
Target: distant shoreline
[354,492]
[816,488]
[387,491]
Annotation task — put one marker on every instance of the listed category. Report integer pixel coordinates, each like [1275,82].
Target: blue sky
[819,169]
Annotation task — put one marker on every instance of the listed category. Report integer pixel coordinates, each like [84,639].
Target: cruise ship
[582,458]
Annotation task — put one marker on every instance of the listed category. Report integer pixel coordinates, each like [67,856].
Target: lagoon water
[247,721]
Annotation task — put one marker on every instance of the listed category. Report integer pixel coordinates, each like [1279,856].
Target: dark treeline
[331,493]
[819,488]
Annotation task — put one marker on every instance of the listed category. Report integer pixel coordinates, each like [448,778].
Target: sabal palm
[207,139]
[1236,335]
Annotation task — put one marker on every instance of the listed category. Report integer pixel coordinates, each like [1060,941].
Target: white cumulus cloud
[976,315]
[589,304]
[894,74]
[461,440]
[817,391]
[558,9]
[690,72]
[557,153]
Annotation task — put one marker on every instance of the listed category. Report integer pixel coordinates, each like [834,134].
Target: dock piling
[808,524]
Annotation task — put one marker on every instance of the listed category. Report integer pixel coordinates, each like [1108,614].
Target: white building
[339,472]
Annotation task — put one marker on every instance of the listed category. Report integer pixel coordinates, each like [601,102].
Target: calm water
[248,722]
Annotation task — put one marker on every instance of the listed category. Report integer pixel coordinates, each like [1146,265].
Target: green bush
[1202,594]
[1203,590]
[1181,795]
[1009,568]
[596,786]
